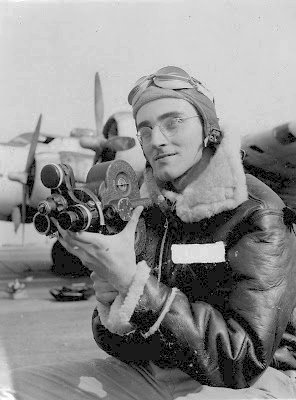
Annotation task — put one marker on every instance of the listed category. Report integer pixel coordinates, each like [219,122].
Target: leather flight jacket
[228,321]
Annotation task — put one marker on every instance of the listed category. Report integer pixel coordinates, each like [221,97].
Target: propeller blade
[92,143]
[120,143]
[33,146]
[99,105]
[16,218]
[24,204]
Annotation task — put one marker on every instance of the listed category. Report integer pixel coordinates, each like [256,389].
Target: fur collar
[220,187]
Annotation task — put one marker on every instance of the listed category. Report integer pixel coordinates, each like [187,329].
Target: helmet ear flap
[214,138]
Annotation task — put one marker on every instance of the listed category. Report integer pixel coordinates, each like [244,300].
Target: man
[201,312]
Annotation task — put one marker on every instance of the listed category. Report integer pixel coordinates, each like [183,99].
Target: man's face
[171,156]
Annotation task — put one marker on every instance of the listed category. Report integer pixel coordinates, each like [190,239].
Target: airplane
[23,157]
[271,156]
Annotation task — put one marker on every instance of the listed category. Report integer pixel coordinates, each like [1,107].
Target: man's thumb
[133,222]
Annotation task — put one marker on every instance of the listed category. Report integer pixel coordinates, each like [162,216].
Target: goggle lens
[172,73]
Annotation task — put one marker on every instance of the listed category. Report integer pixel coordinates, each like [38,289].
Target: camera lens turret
[76,218]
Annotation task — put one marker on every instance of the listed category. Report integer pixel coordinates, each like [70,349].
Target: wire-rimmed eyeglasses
[168,127]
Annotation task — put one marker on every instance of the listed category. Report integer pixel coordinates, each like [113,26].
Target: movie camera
[103,204]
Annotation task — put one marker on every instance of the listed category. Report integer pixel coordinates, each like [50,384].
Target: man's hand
[104,291]
[112,258]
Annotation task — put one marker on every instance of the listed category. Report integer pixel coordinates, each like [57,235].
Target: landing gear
[65,263]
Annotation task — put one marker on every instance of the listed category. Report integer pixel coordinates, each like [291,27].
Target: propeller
[22,177]
[118,143]
[99,143]
[99,105]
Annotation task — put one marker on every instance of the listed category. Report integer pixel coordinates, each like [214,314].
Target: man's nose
[157,137]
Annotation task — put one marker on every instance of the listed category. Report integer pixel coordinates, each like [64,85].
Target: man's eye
[145,132]
[173,123]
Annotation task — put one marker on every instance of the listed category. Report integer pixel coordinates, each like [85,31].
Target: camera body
[103,204]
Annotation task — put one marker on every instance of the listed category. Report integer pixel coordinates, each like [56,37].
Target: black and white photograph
[147,199]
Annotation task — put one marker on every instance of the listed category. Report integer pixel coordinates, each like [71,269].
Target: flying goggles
[168,78]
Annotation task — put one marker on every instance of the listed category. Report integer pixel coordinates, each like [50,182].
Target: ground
[39,330]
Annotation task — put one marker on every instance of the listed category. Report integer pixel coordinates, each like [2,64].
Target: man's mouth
[163,155]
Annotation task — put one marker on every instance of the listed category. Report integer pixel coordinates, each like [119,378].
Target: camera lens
[109,212]
[42,224]
[68,219]
[76,219]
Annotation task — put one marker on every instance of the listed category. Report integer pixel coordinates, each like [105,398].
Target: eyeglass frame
[160,125]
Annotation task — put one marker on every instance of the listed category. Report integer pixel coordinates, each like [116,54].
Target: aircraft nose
[286,134]
[292,128]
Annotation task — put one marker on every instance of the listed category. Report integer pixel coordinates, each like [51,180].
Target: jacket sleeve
[131,348]
[230,348]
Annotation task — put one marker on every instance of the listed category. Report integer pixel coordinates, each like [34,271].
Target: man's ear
[243,154]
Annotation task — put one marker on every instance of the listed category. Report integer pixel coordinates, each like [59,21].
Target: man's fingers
[75,250]
[90,237]
[62,232]
[94,276]
[71,239]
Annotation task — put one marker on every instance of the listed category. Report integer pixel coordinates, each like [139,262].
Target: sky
[243,50]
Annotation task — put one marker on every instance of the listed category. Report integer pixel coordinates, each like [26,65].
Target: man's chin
[165,176]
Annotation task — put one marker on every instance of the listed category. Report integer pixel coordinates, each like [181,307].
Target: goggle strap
[144,82]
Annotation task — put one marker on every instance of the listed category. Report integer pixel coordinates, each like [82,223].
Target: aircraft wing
[26,139]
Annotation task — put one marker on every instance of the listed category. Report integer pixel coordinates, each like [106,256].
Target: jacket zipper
[166,226]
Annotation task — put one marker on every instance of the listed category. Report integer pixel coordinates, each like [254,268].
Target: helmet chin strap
[214,138]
